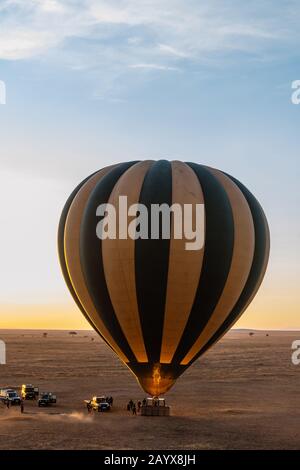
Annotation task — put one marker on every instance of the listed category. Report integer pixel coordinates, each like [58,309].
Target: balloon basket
[155,407]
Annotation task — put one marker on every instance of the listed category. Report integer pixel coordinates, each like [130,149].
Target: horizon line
[90,329]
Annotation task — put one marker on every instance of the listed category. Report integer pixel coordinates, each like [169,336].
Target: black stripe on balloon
[152,261]
[92,261]
[261,245]
[61,250]
[218,249]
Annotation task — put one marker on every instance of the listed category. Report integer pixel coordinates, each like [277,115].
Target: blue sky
[95,82]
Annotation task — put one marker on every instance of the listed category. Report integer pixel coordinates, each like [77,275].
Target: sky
[93,82]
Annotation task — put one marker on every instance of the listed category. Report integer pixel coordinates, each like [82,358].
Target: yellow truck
[29,392]
[97,404]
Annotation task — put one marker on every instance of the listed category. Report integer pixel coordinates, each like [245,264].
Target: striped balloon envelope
[157,305]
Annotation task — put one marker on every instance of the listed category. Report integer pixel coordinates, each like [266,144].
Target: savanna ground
[243,394]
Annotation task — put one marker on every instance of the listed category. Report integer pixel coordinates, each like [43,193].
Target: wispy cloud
[116,36]
[169,50]
[153,67]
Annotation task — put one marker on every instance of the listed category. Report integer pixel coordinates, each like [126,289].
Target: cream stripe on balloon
[119,263]
[258,282]
[184,266]
[72,256]
[242,257]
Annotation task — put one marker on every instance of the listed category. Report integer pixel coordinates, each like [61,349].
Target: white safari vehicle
[8,396]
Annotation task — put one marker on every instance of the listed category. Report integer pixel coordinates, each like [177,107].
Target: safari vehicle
[47,399]
[98,404]
[29,392]
[9,396]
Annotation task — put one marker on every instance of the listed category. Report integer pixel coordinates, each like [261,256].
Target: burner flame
[156,375]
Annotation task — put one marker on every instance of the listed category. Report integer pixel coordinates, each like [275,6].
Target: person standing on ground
[133,409]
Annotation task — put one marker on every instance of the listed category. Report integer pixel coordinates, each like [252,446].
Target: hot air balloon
[157,305]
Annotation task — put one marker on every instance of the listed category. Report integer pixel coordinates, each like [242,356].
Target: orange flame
[156,381]
[156,376]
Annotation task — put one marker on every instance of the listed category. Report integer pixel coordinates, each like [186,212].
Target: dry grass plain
[243,394]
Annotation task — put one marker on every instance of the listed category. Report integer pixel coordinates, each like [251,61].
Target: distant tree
[45,335]
[72,333]
[251,333]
